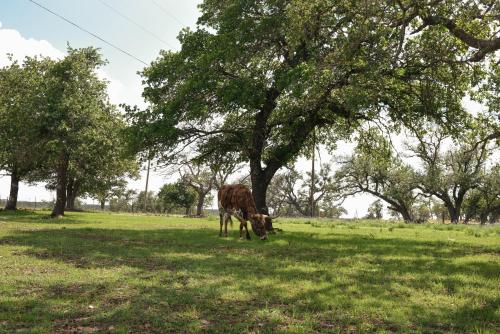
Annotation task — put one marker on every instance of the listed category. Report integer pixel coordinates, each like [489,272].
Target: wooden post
[311,199]
[146,190]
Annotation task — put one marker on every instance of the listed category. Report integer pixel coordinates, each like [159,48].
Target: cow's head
[258,222]
[268,224]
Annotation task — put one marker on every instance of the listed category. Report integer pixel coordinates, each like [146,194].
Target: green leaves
[22,110]
[258,77]
[177,194]
[374,168]
[48,107]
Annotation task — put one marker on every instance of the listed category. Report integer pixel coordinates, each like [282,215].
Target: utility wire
[136,24]
[168,13]
[88,32]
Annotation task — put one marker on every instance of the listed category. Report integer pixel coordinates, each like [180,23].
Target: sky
[26,29]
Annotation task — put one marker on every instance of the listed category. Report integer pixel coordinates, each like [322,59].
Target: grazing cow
[237,200]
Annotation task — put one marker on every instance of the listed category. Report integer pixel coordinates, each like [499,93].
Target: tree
[450,175]
[331,210]
[375,210]
[105,180]
[123,201]
[295,189]
[471,23]
[78,107]
[483,203]
[22,137]
[201,179]
[277,196]
[439,211]
[110,187]
[99,168]
[204,175]
[223,167]
[177,194]
[375,169]
[257,78]
[148,202]
[421,211]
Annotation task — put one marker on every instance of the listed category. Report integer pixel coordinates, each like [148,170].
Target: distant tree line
[455,178]
[190,195]
[449,177]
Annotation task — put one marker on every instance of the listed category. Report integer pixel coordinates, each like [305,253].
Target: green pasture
[122,273]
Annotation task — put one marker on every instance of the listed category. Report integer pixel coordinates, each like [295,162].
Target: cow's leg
[221,216]
[226,218]
[245,225]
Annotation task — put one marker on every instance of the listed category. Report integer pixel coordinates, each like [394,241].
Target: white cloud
[12,42]
[115,87]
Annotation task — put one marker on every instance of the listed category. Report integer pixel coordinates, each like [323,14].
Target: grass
[118,273]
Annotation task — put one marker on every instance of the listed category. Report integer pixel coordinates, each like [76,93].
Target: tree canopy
[376,169]
[450,174]
[21,127]
[177,194]
[57,125]
[255,78]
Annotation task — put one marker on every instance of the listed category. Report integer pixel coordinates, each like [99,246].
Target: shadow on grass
[41,217]
[191,281]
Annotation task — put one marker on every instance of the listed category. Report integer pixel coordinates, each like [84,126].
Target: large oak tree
[256,78]
[451,174]
[78,117]
[375,168]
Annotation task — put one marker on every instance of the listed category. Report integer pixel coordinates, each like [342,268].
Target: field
[101,272]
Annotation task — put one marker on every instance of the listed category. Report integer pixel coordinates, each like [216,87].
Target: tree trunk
[454,215]
[201,204]
[14,190]
[62,180]
[103,204]
[483,218]
[70,194]
[406,215]
[70,202]
[402,210]
[259,190]
[187,211]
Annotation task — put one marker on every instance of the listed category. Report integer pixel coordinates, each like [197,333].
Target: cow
[237,200]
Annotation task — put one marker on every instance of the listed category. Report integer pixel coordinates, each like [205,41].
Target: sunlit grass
[101,272]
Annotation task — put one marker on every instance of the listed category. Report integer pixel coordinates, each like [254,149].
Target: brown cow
[237,200]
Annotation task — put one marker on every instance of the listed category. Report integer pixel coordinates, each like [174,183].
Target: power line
[136,24]
[168,13]
[88,32]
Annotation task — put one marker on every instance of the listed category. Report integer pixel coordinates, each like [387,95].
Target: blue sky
[33,22]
